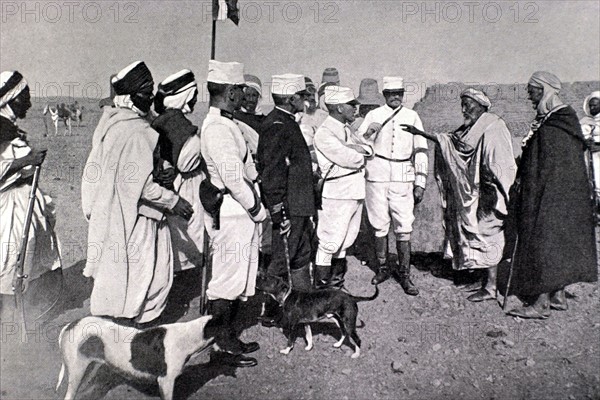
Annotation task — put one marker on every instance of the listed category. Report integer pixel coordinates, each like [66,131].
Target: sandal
[470,287]
[529,312]
[558,301]
[481,295]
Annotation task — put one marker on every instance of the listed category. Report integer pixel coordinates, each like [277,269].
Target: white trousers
[338,227]
[391,202]
[234,250]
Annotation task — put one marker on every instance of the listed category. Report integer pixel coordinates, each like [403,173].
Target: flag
[223,9]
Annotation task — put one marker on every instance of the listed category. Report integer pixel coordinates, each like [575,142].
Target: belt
[345,175]
[393,159]
[191,174]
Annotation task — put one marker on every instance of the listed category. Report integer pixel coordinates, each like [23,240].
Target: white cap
[230,73]
[393,83]
[339,95]
[287,84]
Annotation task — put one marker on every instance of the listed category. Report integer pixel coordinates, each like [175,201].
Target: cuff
[172,202]
[420,180]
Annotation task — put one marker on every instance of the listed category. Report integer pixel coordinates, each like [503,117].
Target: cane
[17,284]
[510,274]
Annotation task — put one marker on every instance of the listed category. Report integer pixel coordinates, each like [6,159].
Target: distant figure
[369,98]
[76,112]
[553,207]
[249,117]
[590,125]
[17,162]
[311,119]
[331,76]
[66,114]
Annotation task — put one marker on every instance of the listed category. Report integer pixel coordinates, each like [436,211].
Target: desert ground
[433,346]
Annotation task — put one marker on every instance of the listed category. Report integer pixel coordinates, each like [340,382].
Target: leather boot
[301,279]
[220,326]
[403,248]
[263,263]
[247,348]
[383,273]
[322,276]
[339,267]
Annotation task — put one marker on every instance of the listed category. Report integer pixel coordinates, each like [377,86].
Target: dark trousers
[299,243]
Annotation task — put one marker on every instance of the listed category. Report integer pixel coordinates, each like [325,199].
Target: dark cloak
[552,213]
[174,129]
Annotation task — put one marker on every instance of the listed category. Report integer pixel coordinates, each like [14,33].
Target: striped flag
[223,9]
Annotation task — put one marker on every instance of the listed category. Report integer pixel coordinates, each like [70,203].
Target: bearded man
[475,174]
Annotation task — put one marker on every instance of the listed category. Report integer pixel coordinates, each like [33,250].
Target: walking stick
[18,278]
[206,265]
[510,274]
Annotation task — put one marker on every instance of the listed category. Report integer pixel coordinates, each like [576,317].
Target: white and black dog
[157,354]
[306,307]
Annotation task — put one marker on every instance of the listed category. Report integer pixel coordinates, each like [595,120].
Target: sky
[71,48]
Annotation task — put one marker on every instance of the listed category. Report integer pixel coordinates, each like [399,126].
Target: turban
[586,102]
[11,84]
[176,91]
[478,96]
[129,82]
[253,82]
[539,78]
[551,86]
[133,79]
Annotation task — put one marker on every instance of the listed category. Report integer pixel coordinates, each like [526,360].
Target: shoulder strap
[391,117]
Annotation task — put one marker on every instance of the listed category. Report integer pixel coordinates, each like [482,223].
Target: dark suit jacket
[284,165]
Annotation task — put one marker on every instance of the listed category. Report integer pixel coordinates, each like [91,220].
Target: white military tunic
[343,193]
[400,163]
[235,245]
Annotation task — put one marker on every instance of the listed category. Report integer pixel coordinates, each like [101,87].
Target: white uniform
[343,191]
[235,246]
[400,163]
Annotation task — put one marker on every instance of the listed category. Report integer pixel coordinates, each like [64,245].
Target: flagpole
[214,38]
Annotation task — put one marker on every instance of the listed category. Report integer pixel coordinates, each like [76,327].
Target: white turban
[11,84]
[551,86]
[478,96]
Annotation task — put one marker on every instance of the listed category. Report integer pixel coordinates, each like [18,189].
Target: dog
[306,307]
[158,354]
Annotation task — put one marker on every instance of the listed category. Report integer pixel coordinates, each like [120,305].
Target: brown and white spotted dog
[157,354]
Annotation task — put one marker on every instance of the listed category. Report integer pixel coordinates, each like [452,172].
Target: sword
[18,278]
[206,265]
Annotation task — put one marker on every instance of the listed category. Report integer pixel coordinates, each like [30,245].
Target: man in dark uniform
[285,170]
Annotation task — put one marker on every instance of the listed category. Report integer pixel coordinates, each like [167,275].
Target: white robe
[42,245]
[129,244]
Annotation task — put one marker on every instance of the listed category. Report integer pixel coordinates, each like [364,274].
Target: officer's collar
[292,116]
[226,114]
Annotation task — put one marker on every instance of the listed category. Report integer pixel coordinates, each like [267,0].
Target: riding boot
[220,327]
[301,279]
[247,348]
[339,267]
[383,273]
[322,276]
[403,248]
[264,260]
